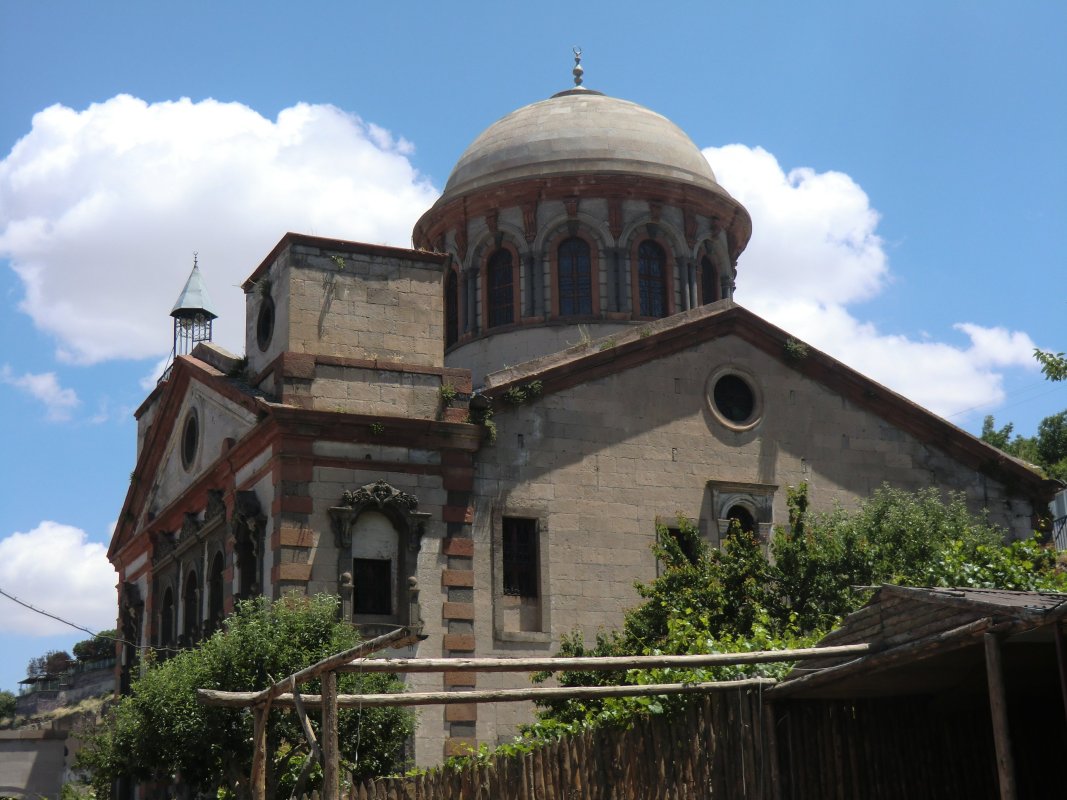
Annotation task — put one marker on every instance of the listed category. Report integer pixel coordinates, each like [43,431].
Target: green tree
[7,704]
[160,730]
[99,647]
[1054,365]
[51,663]
[998,438]
[1048,449]
[1052,445]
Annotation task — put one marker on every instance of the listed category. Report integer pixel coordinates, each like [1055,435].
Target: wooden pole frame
[214,697]
[998,707]
[601,663]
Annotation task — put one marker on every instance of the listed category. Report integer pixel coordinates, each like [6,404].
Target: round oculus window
[190,439]
[734,399]
[265,323]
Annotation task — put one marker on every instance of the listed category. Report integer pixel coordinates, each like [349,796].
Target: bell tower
[192,314]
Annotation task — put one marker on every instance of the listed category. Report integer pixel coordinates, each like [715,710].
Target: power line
[76,626]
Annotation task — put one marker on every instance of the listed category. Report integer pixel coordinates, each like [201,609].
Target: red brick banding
[457,578]
[454,546]
[461,611]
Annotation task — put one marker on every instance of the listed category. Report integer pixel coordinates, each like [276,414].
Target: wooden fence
[716,748]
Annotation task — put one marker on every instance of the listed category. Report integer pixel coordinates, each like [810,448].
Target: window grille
[652,279]
[520,557]
[501,280]
[574,284]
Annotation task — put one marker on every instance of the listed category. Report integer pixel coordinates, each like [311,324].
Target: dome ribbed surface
[580,132]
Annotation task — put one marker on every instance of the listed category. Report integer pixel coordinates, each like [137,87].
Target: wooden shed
[965,696]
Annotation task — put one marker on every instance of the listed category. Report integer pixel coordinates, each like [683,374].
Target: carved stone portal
[399,506]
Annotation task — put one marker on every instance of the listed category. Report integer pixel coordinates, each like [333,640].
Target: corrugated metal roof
[1009,600]
[194,297]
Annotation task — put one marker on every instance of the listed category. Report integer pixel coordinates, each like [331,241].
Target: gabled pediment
[198,414]
[713,327]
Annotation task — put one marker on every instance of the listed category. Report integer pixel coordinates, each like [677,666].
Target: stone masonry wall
[600,463]
[359,305]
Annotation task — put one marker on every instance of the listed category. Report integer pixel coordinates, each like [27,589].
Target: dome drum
[581,210]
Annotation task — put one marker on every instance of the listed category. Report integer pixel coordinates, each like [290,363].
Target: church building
[498,417]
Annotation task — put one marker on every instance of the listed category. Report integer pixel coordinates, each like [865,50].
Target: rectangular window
[373,586]
[520,557]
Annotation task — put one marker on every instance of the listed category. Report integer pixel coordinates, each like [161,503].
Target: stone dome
[580,131]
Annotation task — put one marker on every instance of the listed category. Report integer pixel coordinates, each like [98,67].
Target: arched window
[743,517]
[214,594]
[500,294]
[375,565]
[709,281]
[166,619]
[190,609]
[574,283]
[451,309]
[652,280]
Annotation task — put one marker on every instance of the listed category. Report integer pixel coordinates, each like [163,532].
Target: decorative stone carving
[399,506]
[571,204]
[163,544]
[690,223]
[529,222]
[247,514]
[491,221]
[132,607]
[461,241]
[190,526]
[615,218]
[216,506]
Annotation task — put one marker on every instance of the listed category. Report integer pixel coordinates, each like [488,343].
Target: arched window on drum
[709,281]
[500,288]
[574,284]
[651,280]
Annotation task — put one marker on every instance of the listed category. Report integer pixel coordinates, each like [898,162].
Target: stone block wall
[598,464]
[348,300]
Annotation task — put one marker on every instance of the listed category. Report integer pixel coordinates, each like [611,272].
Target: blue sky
[903,163]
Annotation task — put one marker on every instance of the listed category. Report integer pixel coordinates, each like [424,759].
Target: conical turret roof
[194,299]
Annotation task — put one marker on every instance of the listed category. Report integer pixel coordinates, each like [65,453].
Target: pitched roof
[929,640]
[621,351]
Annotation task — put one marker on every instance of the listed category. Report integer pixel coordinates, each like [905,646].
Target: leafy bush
[737,599]
[160,730]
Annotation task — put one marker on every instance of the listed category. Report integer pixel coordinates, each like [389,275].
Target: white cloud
[56,569]
[101,209]
[815,250]
[58,402]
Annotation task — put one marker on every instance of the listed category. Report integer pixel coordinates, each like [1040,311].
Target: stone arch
[190,608]
[214,591]
[644,228]
[247,526]
[166,617]
[562,230]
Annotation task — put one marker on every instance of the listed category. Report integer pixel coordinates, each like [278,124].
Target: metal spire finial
[194,259]
[578,71]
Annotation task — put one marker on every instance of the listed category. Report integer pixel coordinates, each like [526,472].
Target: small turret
[192,314]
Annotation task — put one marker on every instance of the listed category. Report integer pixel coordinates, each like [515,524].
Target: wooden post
[330,755]
[770,723]
[998,706]
[260,715]
[1061,660]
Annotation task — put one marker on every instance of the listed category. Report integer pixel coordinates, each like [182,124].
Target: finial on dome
[577,71]
[194,259]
